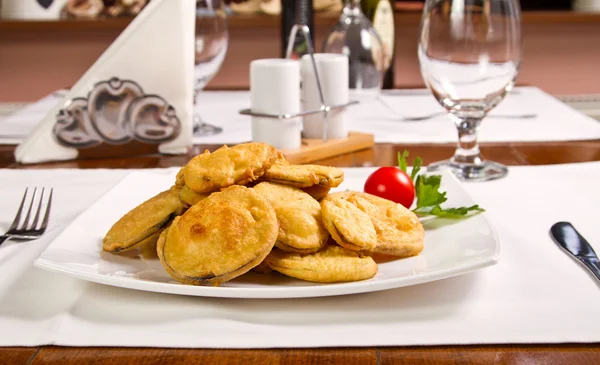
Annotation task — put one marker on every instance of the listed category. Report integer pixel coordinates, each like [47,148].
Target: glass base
[202,129]
[483,171]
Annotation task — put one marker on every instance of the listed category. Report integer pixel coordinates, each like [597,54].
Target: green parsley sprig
[428,195]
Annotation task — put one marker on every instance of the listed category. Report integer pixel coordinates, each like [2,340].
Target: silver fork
[25,231]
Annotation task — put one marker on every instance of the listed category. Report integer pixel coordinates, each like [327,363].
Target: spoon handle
[572,242]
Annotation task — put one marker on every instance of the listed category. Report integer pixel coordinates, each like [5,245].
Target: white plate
[451,248]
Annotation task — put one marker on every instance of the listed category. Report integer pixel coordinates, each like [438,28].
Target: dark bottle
[381,15]
[293,12]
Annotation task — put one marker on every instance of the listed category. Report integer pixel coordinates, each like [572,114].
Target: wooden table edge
[381,154]
[560,353]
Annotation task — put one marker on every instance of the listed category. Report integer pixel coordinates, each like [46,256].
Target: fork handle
[3,238]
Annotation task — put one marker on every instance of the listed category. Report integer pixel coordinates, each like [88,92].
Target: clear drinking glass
[470,53]
[354,36]
[212,38]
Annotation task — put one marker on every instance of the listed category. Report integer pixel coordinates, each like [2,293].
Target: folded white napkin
[555,120]
[535,294]
[139,89]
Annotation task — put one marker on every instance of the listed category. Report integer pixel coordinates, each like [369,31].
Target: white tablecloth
[555,120]
[535,294]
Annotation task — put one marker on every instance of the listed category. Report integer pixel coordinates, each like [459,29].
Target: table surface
[381,154]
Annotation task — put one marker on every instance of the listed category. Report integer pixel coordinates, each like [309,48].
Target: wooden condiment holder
[314,149]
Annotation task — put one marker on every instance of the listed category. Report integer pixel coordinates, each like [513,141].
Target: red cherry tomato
[393,184]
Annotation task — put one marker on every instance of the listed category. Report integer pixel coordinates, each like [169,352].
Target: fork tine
[26,223]
[15,223]
[37,214]
[47,215]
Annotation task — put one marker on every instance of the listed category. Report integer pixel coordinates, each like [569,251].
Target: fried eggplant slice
[179,181]
[143,221]
[303,176]
[301,227]
[189,197]
[318,192]
[281,160]
[333,264]
[226,166]
[350,227]
[220,238]
[399,231]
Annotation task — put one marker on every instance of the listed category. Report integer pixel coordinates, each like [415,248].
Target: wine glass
[212,38]
[354,36]
[470,53]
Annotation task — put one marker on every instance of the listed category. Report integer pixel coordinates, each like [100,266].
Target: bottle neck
[351,7]
[302,11]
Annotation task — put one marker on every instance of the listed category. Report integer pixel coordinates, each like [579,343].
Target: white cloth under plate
[555,120]
[535,294]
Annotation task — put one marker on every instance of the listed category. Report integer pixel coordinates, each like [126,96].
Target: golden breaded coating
[349,226]
[399,231]
[179,181]
[143,221]
[189,197]
[301,227]
[318,192]
[220,238]
[333,264]
[281,160]
[303,176]
[226,166]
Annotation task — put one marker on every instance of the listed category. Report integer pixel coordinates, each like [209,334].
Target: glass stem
[467,151]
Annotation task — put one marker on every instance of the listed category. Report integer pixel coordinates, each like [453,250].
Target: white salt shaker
[333,74]
[275,89]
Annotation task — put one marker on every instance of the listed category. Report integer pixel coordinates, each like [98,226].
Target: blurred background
[46,45]
[98,9]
